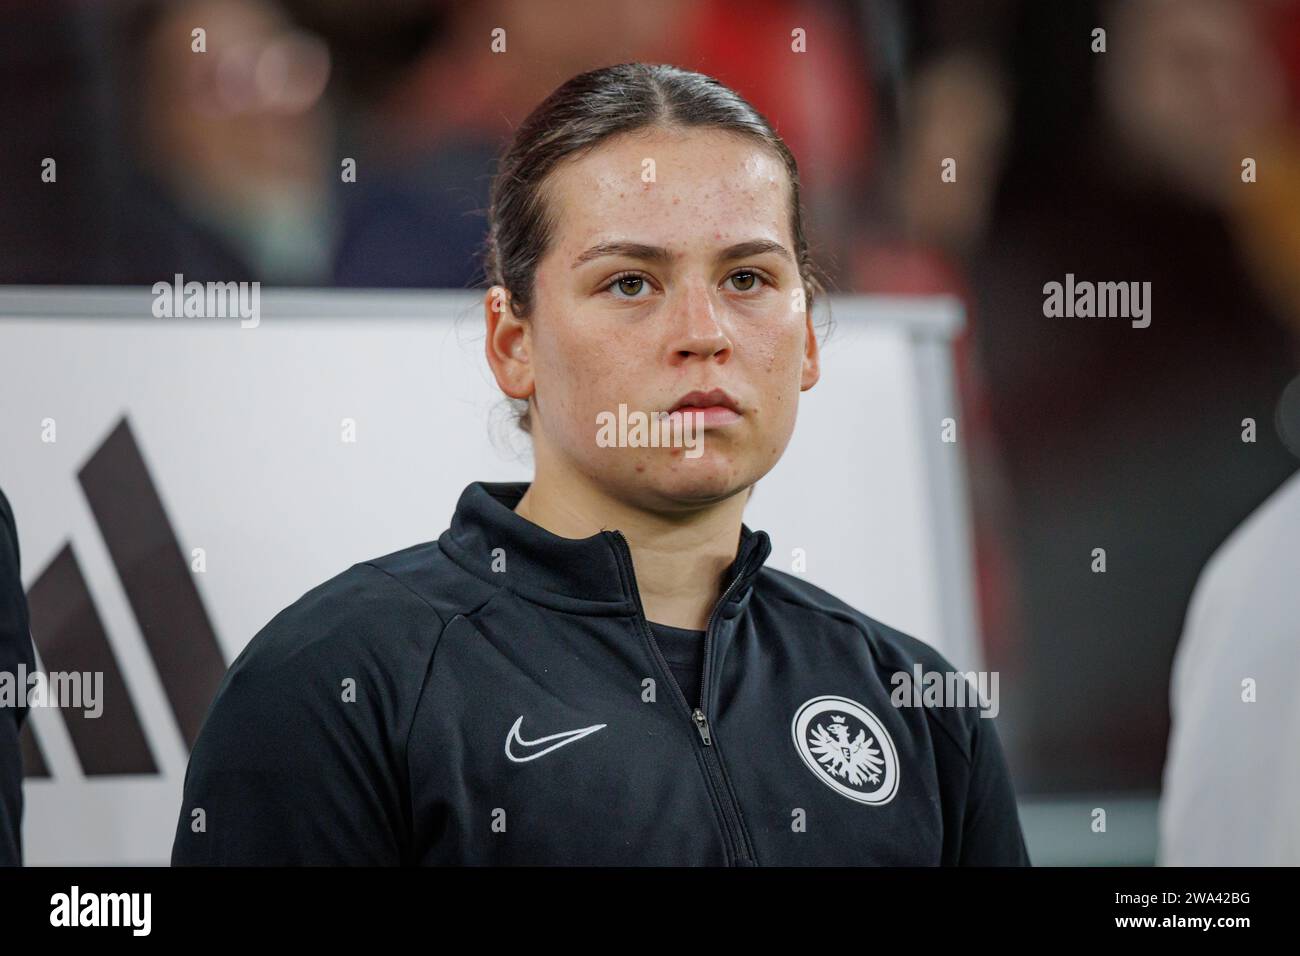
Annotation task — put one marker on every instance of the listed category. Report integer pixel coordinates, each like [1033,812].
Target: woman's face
[654,289]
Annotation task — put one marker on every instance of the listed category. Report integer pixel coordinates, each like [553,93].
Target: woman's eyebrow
[658,254]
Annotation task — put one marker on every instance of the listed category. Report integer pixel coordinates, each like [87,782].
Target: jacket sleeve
[991,833]
[301,758]
[15,648]
[278,777]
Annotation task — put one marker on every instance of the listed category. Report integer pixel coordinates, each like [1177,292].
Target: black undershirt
[684,651]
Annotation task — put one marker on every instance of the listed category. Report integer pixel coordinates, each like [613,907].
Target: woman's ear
[812,369]
[508,344]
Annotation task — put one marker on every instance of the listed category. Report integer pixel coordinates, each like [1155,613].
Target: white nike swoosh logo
[562,738]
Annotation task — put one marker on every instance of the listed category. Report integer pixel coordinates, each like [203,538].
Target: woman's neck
[679,559]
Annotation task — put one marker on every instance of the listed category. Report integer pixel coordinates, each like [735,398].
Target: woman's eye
[628,285]
[746,280]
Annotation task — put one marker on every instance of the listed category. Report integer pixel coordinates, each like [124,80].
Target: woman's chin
[697,481]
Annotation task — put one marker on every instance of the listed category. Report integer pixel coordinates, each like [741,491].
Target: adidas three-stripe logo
[178,635]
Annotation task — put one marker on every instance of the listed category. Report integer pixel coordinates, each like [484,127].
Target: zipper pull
[702,725]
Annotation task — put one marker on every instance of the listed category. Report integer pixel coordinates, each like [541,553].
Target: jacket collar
[583,575]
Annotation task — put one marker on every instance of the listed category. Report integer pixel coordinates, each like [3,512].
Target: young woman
[596,667]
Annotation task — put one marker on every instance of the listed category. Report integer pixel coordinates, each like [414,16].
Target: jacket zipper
[720,786]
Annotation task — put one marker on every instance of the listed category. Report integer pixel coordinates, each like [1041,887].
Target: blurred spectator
[234,145]
[216,164]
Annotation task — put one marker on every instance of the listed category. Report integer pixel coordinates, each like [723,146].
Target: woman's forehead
[693,188]
[692,160]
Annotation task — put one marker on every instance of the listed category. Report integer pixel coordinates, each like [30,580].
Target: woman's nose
[696,326]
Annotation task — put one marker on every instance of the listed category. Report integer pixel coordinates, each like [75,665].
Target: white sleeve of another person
[1231,788]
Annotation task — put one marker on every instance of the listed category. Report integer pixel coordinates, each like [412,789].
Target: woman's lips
[712,416]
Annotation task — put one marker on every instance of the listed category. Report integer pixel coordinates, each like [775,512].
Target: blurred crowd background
[1117,166]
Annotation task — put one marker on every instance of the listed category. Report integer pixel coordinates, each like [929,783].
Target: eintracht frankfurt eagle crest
[847,748]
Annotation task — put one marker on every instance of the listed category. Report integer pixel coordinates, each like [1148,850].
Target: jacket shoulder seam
[416,594]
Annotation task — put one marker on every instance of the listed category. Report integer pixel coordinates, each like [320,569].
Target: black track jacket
[495,697]
[15,649]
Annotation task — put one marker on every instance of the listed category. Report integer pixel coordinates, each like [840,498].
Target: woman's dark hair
[577,117]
